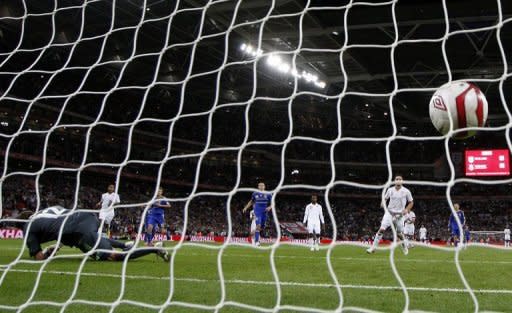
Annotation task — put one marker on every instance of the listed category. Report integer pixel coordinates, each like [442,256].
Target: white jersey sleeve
[409,196]
[306,213]
[387,195]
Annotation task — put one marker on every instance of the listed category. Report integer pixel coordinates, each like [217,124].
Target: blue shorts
[261,218]
[155,220]
[456,232]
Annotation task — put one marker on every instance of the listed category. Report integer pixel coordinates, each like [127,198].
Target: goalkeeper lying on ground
[80,230]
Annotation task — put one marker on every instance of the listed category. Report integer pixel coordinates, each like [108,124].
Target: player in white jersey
[106,204]
[252,217]
[400,203]
[409,229]
[507,236]
[423,234]
[314,217]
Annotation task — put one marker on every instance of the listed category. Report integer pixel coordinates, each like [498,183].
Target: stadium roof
[114,64]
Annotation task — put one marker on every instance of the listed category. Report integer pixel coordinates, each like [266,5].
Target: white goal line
[267,283]
[316,257]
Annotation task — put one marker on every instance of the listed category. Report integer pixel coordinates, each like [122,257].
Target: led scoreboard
[487,162]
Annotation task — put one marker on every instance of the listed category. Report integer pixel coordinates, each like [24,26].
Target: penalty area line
[267,283]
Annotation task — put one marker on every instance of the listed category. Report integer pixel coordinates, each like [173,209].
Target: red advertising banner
[11,233]
[487,162]
[294,228]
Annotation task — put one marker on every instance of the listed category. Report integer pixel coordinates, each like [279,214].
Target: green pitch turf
[367,281]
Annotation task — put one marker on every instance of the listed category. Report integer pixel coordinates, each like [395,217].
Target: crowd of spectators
[356,218]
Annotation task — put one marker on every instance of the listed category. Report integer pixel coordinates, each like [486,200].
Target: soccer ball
[464,102]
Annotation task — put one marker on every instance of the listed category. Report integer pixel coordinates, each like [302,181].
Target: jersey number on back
[52,212]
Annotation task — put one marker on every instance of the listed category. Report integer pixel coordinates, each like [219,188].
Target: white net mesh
[199,94]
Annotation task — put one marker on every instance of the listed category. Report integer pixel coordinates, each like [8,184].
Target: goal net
[209,98]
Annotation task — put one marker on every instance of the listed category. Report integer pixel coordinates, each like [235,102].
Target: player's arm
[410,203]
[452,221]
[463,219]
[248,205]
[34,247]
[269,204]
[117,199]
[322,218]
[306,213]
[409,206]
[386,198]
[164,204]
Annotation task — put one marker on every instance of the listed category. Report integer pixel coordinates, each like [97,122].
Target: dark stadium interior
[86,99]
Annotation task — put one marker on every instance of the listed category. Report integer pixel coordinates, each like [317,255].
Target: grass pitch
[305,282]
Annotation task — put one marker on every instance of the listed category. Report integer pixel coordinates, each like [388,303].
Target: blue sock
[149,237]
[257,236]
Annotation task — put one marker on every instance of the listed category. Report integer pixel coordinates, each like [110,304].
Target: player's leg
[260,223]
[316,231]
[399,226]
[158,250]
[311,241]
[120,244]
[311,236]
[455,236]
[253,231]
[148,239]
[385,224]
[257,235]
[108,222]
[106,218]
[92,241]
[409,235]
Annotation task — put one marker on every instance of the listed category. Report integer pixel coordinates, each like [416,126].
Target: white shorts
[397,220]
[253,226]
[507,238]
[409,229]
[107,216]
[314,227]
[423,237]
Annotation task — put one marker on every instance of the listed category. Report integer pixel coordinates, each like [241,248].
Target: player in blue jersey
[453,227]
[261,203]
[155,217]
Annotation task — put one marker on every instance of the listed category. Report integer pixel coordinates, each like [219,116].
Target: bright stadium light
[320,84]
[282,66]
[274,60]
[295,73]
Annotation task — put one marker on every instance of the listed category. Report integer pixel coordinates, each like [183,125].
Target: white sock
[376,240]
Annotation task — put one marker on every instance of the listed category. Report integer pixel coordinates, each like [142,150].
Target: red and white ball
[464,102]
